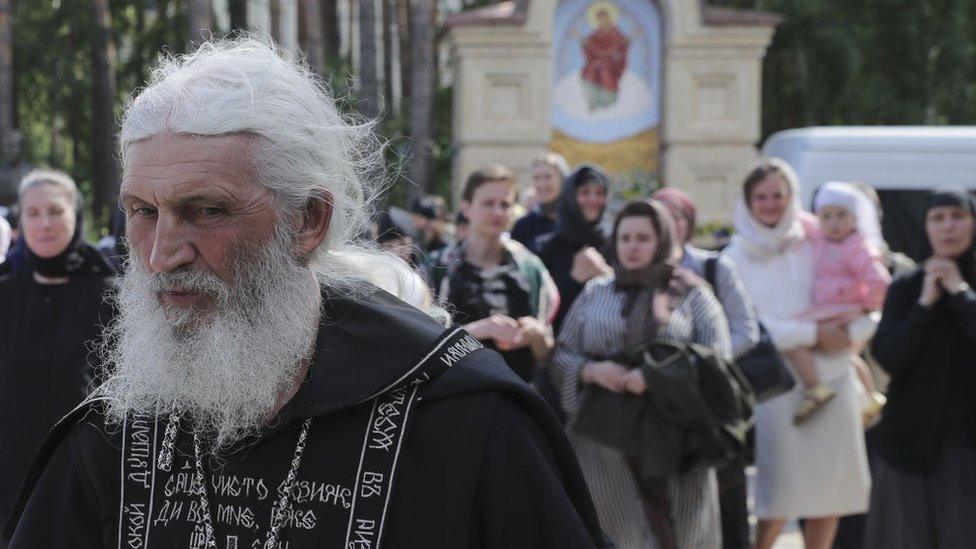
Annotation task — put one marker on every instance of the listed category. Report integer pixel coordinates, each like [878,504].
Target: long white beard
[226,369]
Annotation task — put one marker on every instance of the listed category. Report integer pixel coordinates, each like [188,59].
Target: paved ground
[790,539]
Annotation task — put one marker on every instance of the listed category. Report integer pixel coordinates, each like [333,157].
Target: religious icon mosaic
[606,97]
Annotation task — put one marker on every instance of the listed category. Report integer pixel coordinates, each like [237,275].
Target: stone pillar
[502,58]
[713,104]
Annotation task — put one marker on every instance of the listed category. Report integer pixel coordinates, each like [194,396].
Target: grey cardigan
[731,293]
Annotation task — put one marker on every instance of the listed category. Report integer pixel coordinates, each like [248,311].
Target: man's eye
[210,211]
[143,210]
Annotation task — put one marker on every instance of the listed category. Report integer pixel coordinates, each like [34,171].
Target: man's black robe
[484,464]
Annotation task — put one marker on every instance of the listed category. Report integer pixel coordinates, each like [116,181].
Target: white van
[901,162]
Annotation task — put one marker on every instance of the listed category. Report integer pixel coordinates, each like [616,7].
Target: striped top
[594,328]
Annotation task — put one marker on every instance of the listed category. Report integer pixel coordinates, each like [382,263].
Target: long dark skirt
[910,511]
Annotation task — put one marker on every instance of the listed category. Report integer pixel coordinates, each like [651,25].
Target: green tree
[846,62]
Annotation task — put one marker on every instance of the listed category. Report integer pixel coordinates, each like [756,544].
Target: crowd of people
[816,282]
[879,421]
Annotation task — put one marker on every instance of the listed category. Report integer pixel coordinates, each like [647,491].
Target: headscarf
[77,258]
[851,198]
[571,225]
[956,196]
[4,238]
[760,241]
[678,202]
[640,286]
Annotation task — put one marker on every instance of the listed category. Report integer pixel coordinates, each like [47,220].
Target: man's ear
[314,225]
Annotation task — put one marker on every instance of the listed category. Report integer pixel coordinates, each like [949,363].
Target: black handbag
[765,369]
[763,366]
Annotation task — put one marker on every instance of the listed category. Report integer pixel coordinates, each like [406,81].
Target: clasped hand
[941,276]
[508,333]
[614,377]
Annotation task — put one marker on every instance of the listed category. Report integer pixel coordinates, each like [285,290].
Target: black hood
[959,197]
[571,225]
[363,348]
[366,346]
[79,257]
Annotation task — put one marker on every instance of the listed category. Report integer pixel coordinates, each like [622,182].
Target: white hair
[55,178]
[555,161]
[305,148]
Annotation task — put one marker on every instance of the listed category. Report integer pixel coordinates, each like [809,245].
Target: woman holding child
[817,470]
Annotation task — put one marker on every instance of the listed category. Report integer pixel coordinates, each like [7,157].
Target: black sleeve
[62,511]
[901,333]
[520,232]
[523,502]
[963,306]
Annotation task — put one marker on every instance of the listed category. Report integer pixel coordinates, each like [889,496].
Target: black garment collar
[364,346]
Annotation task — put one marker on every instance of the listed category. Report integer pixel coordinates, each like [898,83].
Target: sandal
[871,413]
[814,399]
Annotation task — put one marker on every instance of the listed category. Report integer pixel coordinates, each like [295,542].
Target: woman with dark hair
[51,308]
[647,298]
[817,471]
[925,478]
[574,252]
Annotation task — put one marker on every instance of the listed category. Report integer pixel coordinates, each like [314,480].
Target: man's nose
[171,247]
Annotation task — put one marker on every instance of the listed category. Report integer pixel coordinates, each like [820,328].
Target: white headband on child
[849,197]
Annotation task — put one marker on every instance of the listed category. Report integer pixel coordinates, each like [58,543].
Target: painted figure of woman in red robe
[606,58]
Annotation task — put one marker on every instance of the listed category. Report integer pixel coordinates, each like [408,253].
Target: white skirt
[819,468]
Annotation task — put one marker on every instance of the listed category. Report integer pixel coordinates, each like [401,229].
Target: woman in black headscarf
[924,489]
[50,309]
[575,251]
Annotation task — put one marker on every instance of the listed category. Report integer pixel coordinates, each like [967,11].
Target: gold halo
[612,10]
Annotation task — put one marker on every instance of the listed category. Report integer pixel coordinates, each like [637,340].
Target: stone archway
[710,116]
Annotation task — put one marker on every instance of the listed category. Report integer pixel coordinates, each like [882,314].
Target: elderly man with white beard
[261,391]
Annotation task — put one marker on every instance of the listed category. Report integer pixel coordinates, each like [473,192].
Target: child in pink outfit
[850,282]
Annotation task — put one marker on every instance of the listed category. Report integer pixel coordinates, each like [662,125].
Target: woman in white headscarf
[817,471]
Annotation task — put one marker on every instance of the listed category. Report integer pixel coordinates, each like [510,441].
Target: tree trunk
[421,93]
[199,19]
[138,53]
[330,30]
[311,22]
[6,83]
[238,14]
[104,170]
[388,11]
[404,33]
[368,88]
[275,20]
